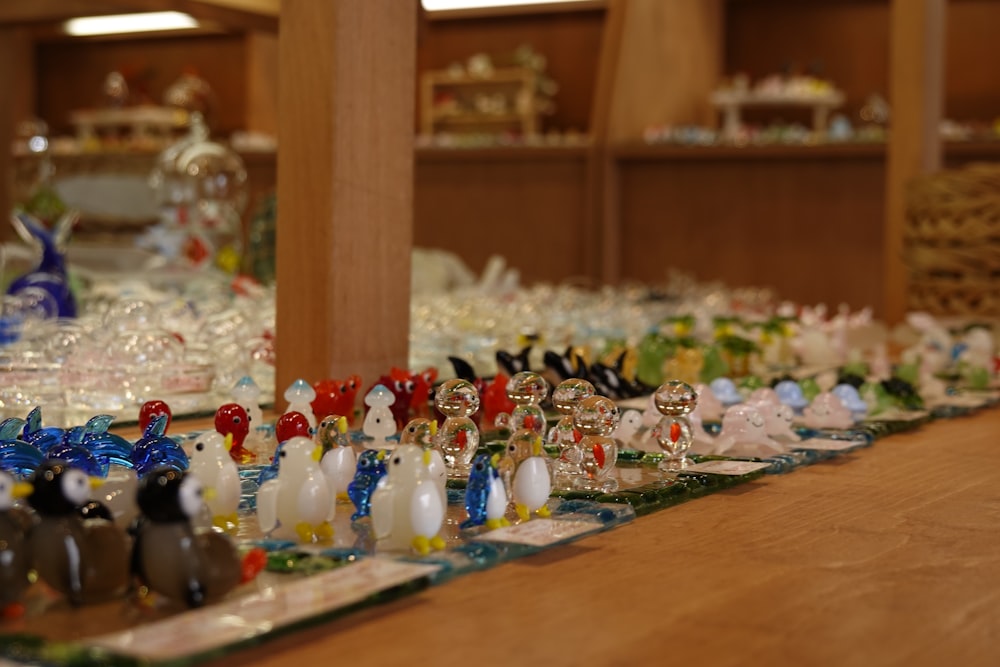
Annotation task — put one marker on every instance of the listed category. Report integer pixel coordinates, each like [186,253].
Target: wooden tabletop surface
[887,556]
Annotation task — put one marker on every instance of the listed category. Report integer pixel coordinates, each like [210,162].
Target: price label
[827,445]
[540,532]
[728,467]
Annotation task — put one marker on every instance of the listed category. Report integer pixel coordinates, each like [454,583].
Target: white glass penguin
[339,460]
[532,480]
[211,463]
[300,396]
[379,423]
[423,433]
[298,503]
[458,440]
[406,507]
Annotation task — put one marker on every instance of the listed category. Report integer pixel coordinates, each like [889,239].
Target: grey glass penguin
[172,558]
[15,550]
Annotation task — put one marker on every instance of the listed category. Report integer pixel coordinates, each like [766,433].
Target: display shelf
[506,95]
[639,151]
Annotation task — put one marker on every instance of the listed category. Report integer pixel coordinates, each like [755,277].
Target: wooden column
[345,187]
[916,73]
[17,79]
[262,82]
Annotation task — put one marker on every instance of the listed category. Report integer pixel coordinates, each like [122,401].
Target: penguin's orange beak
[22,490]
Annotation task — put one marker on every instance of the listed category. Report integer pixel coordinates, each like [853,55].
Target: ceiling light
[450,5]
[125,23]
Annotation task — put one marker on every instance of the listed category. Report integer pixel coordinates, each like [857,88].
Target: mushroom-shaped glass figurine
[458,437]
[725,390]
[596,418]
[379,423]
[851,398]
[300,396]
[791,395]
[564,435]
[527,390]
[675,400]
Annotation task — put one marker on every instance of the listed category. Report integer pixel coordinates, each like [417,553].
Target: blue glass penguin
[78,550]
[15,551]
[485,494]
[170,556]
[371,468]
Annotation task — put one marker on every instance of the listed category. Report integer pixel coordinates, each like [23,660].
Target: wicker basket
[951,243]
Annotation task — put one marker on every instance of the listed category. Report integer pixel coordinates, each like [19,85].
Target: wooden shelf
[640,151]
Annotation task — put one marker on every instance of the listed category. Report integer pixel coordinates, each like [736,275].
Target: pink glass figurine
[827,411]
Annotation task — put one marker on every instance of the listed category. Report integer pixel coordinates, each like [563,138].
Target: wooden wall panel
[972,86]
[70,73]
[526,206]
[569,40]
[807,224]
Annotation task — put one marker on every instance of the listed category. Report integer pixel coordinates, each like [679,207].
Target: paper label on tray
[195,632]
[727,467]
[826,444]
[540,532]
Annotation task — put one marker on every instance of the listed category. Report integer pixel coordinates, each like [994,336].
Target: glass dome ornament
[596,418]
[675,400]
[200,188]
[458,437]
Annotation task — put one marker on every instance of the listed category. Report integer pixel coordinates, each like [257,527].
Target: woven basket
[951,244]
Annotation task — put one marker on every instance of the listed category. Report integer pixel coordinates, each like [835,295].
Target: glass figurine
[379,423]
[485,496]
[300,396]
[78,550]
[406,508]
[336,397]
[170,556]
[232,419]
[49,278]
[423,432]
[851,398]
[532,481]
[339,459]
[401,387]
[791,395]
[527,390]
[564,434]
[744,433]
[596,418]
[724,389]
[458,437]
[298,504]
[371,468]
[778,419]
[247,394]
[290,425]
[674,400]
[15,554]
[212,464]
[150,410]
[827,411]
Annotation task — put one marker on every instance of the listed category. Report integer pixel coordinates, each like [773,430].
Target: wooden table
[887,556]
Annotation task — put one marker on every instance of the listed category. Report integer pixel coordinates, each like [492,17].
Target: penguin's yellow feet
[523,512]
[544,511]
[421,545]
[437,543]
[343,497]
[493,524]
[324,532]
[304,531]
[227,523]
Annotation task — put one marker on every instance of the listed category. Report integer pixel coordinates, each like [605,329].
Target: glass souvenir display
[527,390]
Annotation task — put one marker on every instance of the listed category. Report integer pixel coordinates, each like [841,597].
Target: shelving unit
[502,100]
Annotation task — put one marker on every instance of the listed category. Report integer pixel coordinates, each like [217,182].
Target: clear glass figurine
[564,434]
[458,437]
[674,400]
[527,390]
[596,418]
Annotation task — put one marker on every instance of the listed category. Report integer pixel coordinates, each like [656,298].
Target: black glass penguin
[171,557]
[15,550]
[77,550]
